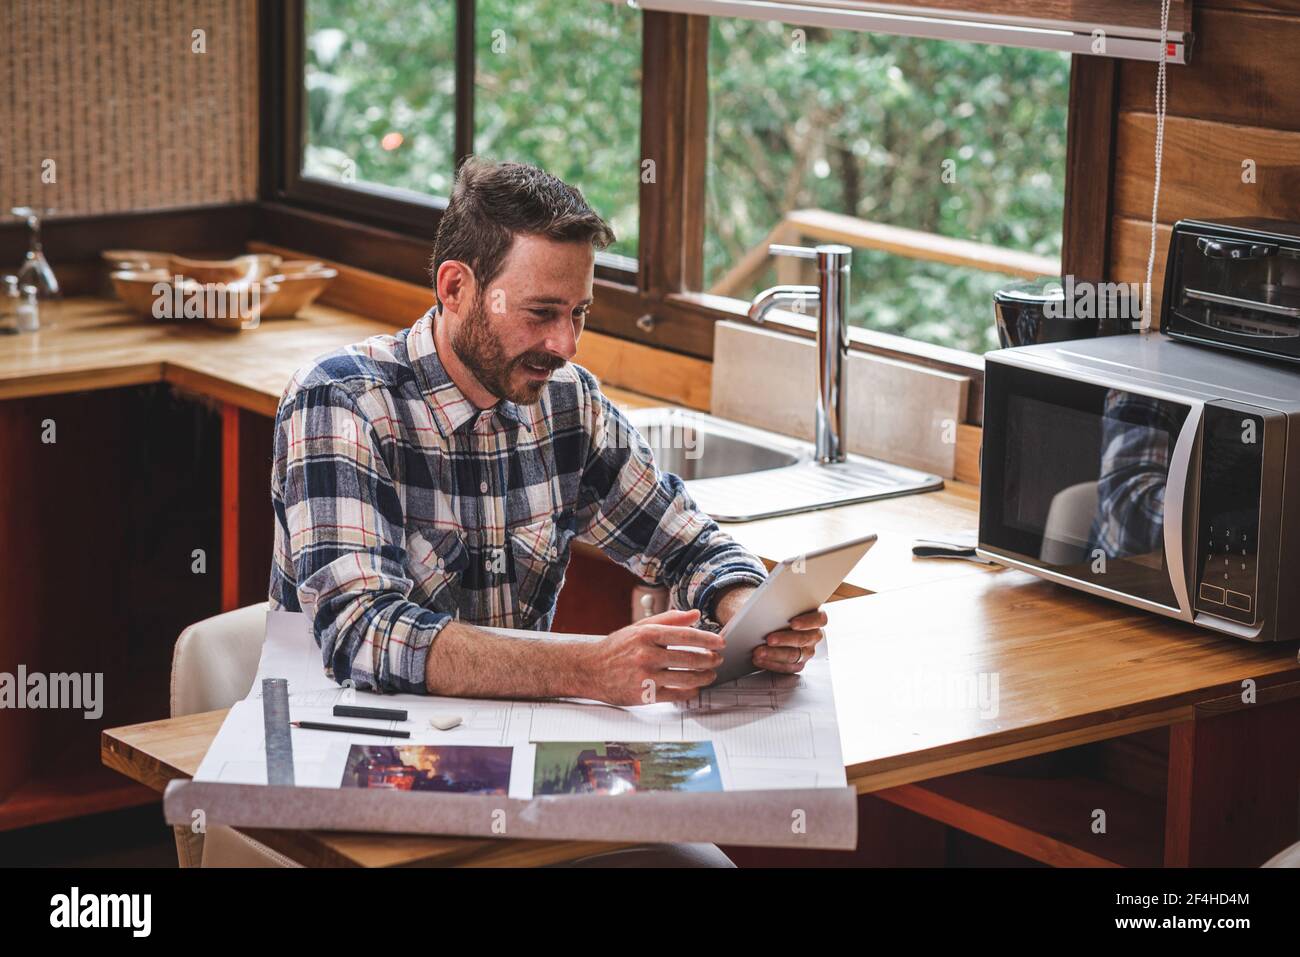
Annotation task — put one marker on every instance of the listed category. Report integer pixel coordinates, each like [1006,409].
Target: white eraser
[445,722]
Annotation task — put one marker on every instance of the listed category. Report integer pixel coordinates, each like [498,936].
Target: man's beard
[482,354]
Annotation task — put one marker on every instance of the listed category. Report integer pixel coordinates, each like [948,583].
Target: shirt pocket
[540,552]
[436,559]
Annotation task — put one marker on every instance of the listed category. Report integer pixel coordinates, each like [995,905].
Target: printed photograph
[613,767]
[458,769]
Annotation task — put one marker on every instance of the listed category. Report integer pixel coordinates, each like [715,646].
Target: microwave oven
[1152,472]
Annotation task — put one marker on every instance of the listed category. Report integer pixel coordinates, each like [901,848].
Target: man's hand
[785,651]
[788,650]
[634,665]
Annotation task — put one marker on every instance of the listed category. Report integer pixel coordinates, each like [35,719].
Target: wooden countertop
[1062,669]
[1069,669]
[98,344]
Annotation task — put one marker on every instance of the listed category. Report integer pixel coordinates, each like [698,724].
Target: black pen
[352,728]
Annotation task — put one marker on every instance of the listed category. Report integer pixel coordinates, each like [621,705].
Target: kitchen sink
[738,473]
[695,446]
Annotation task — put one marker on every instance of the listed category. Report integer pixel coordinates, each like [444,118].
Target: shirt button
[482,487]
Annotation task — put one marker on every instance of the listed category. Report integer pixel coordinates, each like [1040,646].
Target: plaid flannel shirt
[400,506]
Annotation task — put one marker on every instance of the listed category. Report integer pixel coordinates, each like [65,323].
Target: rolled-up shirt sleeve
[345,540]
[645,520]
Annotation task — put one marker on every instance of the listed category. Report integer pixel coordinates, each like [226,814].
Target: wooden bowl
[300,283]
[136,260]
[304,265]
[156,294]
[233,306]
[140,289]
[239,269]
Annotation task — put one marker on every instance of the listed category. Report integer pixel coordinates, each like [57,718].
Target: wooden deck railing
[820,226]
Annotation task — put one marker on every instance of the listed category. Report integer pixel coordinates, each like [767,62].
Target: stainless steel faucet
[832,298]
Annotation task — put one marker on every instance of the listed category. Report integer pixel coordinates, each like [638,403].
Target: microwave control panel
[1227,542]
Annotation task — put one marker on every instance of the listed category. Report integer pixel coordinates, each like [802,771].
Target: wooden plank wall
[1238,101]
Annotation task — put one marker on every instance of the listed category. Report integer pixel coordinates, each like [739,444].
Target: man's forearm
[470,662]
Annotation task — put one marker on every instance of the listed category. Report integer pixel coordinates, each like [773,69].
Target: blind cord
[1162,93]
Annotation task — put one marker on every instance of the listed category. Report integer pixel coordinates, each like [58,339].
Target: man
[432,482]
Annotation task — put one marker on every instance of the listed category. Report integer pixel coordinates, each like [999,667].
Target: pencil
[351,728]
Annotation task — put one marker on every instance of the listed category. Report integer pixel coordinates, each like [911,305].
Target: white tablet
[797,585]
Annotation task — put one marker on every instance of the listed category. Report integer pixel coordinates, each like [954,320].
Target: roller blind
[1127,29]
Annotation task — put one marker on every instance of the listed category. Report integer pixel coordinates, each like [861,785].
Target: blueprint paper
[767,731]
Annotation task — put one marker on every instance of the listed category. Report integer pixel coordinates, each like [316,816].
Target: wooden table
[159,751]
[1070,670]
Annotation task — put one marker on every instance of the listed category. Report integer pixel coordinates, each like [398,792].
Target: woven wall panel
[110,90]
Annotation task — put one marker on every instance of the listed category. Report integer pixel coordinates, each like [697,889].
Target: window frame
[660,302]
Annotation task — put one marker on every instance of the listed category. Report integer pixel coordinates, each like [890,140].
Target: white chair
[1287,858]
[1069,524]
[213,666]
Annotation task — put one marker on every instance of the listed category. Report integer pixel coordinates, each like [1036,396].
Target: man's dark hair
[491,203]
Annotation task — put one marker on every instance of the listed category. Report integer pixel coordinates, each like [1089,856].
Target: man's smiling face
[526,323]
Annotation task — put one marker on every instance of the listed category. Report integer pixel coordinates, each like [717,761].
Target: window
[556,84]
[941,162]
[943,139]
[380,79]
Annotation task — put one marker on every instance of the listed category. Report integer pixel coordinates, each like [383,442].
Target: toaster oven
[1235,284]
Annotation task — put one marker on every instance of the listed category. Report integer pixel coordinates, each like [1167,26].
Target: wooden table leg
[1234,786]
[229,506]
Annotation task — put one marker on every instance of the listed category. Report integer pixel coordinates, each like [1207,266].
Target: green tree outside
[854,123]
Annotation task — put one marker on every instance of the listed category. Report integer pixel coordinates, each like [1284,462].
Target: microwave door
[1084,484]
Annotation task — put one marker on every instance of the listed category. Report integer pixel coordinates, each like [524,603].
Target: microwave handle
[1177,486]
[1220,249]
